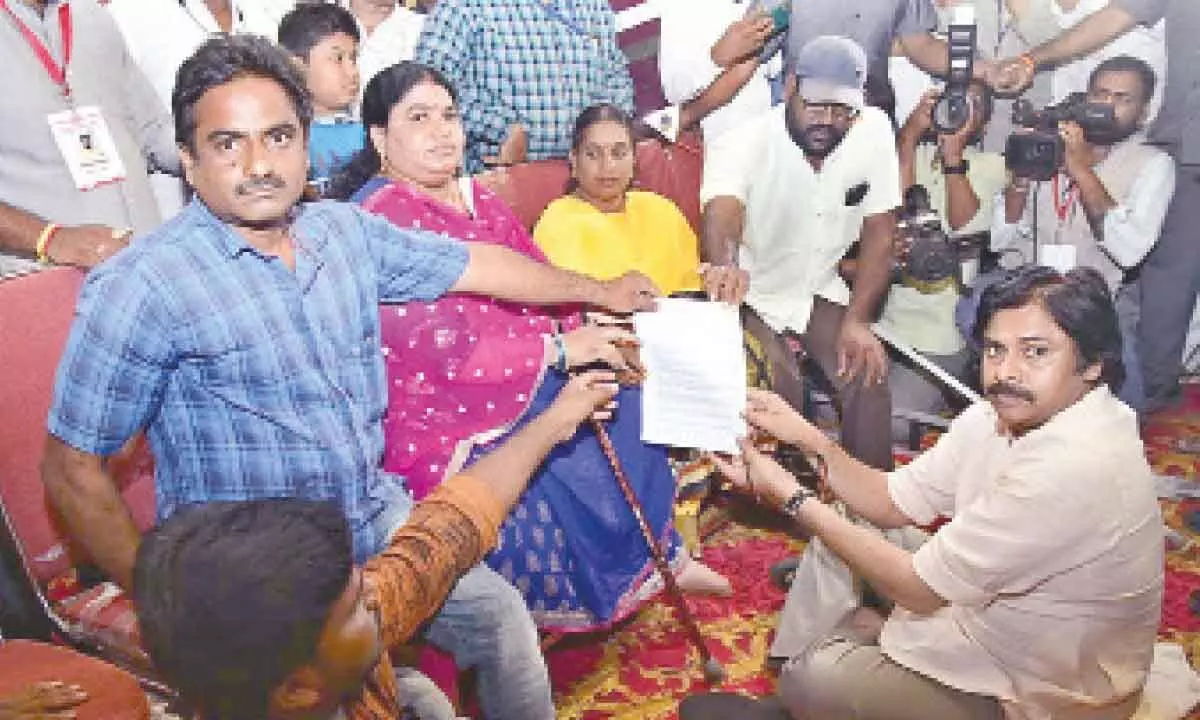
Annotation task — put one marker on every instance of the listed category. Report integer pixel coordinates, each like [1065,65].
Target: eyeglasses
[834,111]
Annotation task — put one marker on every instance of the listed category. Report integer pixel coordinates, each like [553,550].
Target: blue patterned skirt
[572,545]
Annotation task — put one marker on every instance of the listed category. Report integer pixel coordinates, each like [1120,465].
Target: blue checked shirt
[535,62]
[251,380]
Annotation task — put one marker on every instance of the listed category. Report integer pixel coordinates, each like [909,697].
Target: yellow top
[651,235]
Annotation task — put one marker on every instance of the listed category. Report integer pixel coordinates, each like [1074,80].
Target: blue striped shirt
[535,62]
[252,380]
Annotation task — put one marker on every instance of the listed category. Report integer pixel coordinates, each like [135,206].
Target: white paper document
[695,387]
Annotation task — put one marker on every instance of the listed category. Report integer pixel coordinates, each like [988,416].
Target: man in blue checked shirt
[524,70]
[243,336]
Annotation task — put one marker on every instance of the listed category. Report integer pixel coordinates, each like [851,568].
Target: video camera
[934,260]
[1038,153]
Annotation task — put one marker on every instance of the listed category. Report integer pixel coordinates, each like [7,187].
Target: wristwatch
[792,506]
[959,169]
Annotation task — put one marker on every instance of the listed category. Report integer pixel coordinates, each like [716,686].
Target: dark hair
[309,23]
[602,112]
[1080,304]
[388,88]
[232,598]
[1129,64]
[223,59]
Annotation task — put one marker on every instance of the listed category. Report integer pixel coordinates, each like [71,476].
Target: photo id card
[87,146]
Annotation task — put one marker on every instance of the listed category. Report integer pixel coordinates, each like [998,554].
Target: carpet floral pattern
[646,667]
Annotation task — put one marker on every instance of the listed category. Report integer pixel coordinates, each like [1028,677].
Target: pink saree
[465,371]
[462,365]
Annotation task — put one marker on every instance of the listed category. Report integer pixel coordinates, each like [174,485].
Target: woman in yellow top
[602,228]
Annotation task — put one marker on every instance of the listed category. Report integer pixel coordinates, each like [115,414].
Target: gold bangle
[1029,61]
[43,241]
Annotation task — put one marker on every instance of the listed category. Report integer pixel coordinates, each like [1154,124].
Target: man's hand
[742,39]
[513,150]
[860,352]
[632,292]
[1077,156]
[725,283]
[587,395]
[756,473]
[43,701]
[954,144]
[86,246]
[1011,76]
[920,120]
[590,343]
[773,415]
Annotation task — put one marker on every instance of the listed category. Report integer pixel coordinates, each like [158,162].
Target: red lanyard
[1064,202]
[58,73]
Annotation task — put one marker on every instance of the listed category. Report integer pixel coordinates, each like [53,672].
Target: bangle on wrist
[43,242]
[1029,61]
[560,361]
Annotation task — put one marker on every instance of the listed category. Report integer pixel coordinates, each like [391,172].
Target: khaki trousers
[844,678]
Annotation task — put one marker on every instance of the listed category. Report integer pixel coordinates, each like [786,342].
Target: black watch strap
[960,169]
[792,505]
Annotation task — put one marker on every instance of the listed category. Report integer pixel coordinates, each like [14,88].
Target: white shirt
[1131,228]
[798,225]
[689,29]
[161,34]
[394,40]
[1051,564]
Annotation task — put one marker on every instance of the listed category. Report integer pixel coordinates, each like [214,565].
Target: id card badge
[87,146]
[1059,257]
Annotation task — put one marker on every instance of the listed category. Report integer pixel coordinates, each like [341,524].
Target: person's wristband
[560,345]
[43,242]
[791,507]
[960,169]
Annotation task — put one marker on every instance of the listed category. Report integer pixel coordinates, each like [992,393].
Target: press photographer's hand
[1077,153]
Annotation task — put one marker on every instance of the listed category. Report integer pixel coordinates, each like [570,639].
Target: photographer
[1104,208]
[961,183]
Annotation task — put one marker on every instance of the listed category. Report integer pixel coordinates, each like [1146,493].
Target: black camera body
[934,259]
[952,111]
[1038,153]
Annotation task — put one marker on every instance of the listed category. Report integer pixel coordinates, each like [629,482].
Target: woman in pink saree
[465,371]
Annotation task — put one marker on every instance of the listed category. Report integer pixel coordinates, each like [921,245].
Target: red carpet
[643,669]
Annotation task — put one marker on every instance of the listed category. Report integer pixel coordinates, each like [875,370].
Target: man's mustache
[267,182]
[999,388]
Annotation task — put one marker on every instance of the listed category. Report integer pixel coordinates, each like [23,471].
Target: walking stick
[713,672]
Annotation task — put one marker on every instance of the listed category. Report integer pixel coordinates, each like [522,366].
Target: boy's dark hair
[1130,64]
[310,23]
[386,90]
[232,598]
[223,59]
[1080,304]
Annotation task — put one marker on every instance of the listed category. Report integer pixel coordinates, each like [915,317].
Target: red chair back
[36,312]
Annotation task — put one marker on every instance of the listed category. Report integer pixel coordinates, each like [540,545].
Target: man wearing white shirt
[1105,207]
[811,178]
[389,33]
[710,65]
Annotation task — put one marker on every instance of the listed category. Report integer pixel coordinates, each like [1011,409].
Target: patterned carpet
[643,669]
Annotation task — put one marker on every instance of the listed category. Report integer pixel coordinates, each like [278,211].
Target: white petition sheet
[695,387]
